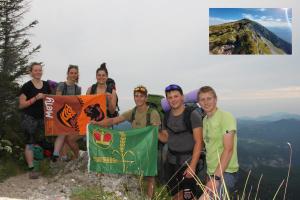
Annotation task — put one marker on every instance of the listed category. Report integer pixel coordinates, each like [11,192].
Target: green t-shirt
[140,120]
[214,129]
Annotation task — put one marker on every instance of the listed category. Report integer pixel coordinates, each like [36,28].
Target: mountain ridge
[245,37]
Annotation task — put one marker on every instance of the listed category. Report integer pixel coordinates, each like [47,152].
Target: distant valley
[263,149]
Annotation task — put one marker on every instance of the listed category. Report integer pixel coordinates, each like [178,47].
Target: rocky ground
[69,176]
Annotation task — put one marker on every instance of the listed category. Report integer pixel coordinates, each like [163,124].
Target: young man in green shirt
[219,135]
[139,117]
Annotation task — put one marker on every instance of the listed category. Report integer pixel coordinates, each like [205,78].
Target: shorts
[229,181]
[177,182]
[33,129]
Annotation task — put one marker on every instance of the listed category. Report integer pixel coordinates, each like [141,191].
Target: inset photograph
[250,31]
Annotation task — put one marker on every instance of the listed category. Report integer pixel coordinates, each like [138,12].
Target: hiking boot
[34,175]
[66,159]
[54,158]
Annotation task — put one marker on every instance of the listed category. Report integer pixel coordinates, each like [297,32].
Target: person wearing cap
[140,111]
[184,145]
[220,140]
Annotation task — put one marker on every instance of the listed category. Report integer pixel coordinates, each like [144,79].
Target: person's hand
[39,96]
[189,172]
[94,122]
[102,123]
[212,186]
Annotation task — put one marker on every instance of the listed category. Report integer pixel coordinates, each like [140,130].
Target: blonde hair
[206,89]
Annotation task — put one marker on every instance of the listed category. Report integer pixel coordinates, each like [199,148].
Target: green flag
[123,152]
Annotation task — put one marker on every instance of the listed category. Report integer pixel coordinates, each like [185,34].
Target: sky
[159,42]
[270,17]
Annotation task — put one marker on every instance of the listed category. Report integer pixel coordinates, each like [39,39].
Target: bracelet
[30,102]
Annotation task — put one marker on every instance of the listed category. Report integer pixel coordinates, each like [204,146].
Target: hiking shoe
[66,159]
[34,175]
[54,158]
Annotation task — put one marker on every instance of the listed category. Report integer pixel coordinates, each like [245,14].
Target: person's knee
[29,147]
[151,179]
[72,139]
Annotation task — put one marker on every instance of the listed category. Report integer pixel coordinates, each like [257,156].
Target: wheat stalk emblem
[122,153]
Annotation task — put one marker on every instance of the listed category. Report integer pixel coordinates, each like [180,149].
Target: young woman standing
[69,87]
[31,103]
[101,87]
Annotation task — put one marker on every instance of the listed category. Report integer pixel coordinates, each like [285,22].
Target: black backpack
[110,86]
[65,89]
[189,108]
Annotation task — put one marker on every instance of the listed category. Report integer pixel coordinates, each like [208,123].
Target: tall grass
[245,195]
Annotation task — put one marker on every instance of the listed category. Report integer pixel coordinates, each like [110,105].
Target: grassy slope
[244,40]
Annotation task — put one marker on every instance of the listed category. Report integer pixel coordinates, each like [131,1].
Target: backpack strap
[132,118]
[166,119]
[94,88]
[76,89]
[109,89]
[186,119]
[65,89]
[148,115]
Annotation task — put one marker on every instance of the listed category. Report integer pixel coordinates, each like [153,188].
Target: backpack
[110,86]
[53,87]
[189,108]
[153,102]
[65,89]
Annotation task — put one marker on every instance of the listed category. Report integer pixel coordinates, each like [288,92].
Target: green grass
[88,193]
[97,193]
[10,167]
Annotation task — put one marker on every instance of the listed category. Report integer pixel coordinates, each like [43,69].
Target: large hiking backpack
[53,86]
[153,101]
[189,108]
[110,86]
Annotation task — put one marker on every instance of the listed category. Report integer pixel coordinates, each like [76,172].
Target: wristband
[30,102]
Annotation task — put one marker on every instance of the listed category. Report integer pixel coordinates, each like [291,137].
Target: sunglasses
[140,89]
[173,87]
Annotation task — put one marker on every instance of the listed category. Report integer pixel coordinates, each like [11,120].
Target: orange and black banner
[66,115]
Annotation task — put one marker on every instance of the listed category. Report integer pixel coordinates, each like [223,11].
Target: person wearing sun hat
[140,116]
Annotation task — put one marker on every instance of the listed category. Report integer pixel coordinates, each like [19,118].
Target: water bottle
[37,157]
[36,165]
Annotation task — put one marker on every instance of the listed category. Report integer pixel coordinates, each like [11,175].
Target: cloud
[263,17]
[267,21]
[290,92]
[216,20]
[248,16]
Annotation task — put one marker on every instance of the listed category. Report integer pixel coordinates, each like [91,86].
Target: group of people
[184,130]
